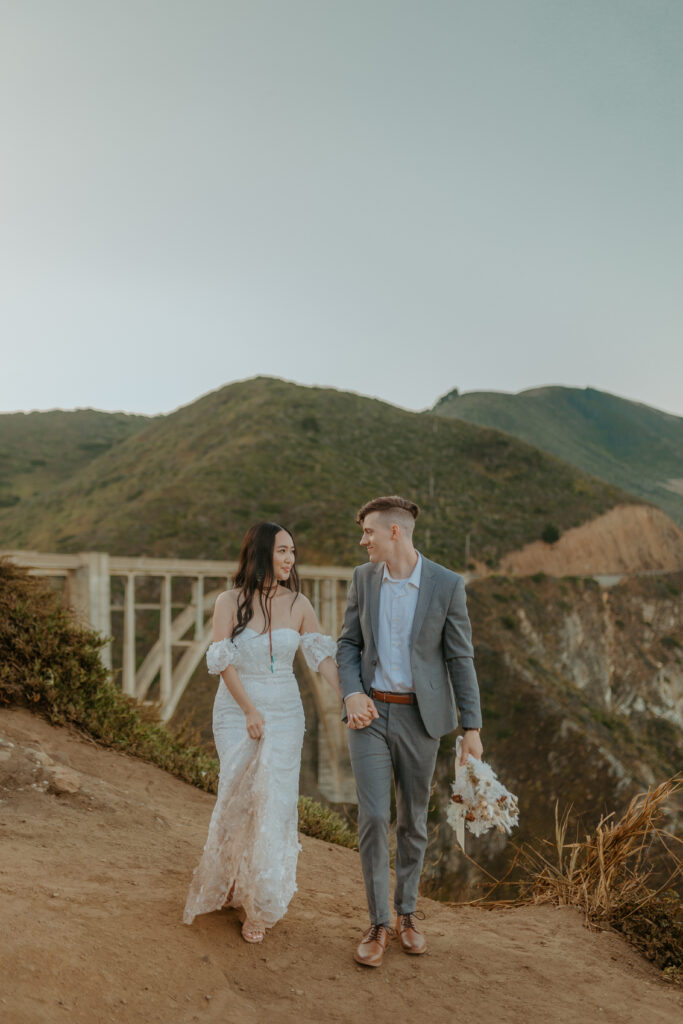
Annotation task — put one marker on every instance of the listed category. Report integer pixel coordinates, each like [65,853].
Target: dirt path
[93,884]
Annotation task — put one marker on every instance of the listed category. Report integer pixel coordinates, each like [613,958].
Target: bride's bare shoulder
[228,599]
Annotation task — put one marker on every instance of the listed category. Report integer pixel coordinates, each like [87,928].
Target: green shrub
[550,533]
[51,665]
[322,823]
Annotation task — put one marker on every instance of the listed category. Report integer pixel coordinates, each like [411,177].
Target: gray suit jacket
[441,653]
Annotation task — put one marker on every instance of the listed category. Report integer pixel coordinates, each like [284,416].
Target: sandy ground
[93,885]
[628,538]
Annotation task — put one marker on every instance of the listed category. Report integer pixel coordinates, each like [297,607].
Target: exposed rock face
[628,538]
[582,692]
[620,645]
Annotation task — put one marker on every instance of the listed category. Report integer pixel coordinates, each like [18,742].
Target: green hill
[626,443]
[189,483]
[40,449]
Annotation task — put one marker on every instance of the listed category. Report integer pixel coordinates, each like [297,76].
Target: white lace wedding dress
[253,839]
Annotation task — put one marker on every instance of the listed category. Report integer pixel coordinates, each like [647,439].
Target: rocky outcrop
[582,690]
[27,767]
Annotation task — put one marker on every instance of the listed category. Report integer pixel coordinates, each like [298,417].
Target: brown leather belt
[393,698]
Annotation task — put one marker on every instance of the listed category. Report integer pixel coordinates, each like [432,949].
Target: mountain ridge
[627,443]
[188,484]
[39,449]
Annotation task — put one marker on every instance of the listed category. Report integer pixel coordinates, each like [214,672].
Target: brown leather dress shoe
[372,946]
[412,940]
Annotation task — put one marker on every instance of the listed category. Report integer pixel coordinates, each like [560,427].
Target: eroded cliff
[582,690]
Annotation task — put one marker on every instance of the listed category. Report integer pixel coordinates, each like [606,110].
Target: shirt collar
[413,579]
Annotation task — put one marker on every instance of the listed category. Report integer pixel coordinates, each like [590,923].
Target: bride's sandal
[251,932]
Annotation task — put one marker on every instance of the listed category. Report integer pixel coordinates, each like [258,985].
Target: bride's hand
[255,724]
[360,711]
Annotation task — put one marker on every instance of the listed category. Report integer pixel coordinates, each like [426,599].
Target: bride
[250,855]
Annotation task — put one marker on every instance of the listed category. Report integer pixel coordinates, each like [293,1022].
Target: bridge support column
[88,593]
[128,667]
[165,680]
[198,602]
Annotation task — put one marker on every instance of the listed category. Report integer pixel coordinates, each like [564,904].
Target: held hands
[255,724]
[471,744]
[360,711]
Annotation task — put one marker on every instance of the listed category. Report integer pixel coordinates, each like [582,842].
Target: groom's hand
[360,711]
[471,744]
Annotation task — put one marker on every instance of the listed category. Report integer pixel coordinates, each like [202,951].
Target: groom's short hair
[403,511]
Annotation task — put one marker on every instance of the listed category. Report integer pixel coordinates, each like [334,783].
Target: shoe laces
[375,929]
[407,919]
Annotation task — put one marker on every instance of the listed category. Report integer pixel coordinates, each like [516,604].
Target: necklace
[270,629]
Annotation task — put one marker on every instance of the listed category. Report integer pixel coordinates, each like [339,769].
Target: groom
[405,661]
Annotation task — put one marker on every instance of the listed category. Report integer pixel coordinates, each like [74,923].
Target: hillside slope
[629,538]
[626,443]
[190,483]
[94,881]
[41,449]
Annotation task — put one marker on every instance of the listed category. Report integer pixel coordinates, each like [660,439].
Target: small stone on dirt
[41,757]
[64,780]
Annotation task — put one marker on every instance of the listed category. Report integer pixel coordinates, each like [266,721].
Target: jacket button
[374,661]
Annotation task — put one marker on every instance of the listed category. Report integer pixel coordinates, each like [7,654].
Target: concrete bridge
[100,587]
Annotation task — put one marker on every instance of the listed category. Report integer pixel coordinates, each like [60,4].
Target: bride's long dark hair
[255,573]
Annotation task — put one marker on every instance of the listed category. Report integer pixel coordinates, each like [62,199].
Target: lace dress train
[253,839]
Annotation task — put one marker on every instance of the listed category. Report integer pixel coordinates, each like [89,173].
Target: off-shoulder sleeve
[317,647]
[220,654]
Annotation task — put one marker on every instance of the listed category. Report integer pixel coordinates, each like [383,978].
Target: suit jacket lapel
[424,597]
[374,587]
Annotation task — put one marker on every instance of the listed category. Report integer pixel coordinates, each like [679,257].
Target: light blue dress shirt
[397,603]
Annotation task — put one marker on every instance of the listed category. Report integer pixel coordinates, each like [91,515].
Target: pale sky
[395,198]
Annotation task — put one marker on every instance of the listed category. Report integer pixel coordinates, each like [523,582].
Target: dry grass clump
[52,666]
[608,876]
